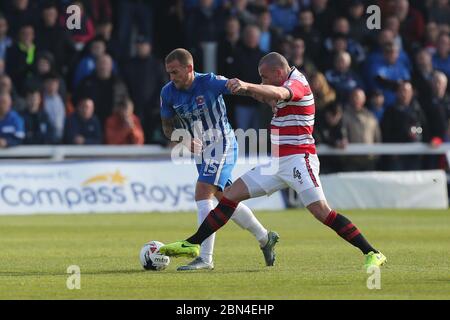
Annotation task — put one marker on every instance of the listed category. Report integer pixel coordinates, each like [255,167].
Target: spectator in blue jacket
[97,48]
[342,78]
[83,127]
[388,73]
[385,37]
[284,15]
[11,124]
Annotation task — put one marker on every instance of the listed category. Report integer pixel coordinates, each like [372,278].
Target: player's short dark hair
[181,55]
[274,60]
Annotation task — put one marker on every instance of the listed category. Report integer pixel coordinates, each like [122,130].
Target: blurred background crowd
[100,84]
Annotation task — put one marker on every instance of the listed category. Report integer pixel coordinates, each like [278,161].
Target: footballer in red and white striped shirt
[293,122]
[286,90]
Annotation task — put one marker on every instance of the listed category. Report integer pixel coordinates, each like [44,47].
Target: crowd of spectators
[101,83]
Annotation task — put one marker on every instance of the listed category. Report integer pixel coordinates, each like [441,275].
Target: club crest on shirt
[200,100]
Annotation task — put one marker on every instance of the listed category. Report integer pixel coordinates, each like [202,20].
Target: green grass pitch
[312,261]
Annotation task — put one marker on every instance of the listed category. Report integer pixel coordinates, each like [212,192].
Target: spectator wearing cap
[38,129]
[21,57]
[342,78]
[104,87]
[54,38]
[11,124]
[123,126]
[53,105]
[145,76]
[307,31]
[83,127]
[5,40]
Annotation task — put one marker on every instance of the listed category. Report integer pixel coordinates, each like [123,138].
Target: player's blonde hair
[181,55]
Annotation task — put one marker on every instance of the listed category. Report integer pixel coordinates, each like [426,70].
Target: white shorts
[299,172]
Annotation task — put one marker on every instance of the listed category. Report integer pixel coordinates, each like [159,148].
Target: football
[151,259]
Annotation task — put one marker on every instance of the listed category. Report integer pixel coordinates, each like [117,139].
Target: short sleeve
[166,108]
[218,84]
[298,89]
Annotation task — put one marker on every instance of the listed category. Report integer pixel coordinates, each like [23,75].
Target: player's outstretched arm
[261,92]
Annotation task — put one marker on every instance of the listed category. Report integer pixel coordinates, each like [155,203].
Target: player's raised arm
[260,92]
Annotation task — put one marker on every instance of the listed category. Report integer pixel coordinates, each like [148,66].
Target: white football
[151,259]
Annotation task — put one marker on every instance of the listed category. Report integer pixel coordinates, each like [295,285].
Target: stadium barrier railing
[62,152]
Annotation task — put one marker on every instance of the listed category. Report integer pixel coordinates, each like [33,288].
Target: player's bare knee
[237,192]
[204,191]
[319,210]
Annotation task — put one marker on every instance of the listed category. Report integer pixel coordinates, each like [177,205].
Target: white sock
[207,246]
[245,218]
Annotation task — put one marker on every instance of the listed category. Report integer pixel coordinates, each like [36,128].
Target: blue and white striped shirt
[200,109]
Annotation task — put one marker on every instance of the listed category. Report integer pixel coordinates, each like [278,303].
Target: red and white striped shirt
[293,123]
